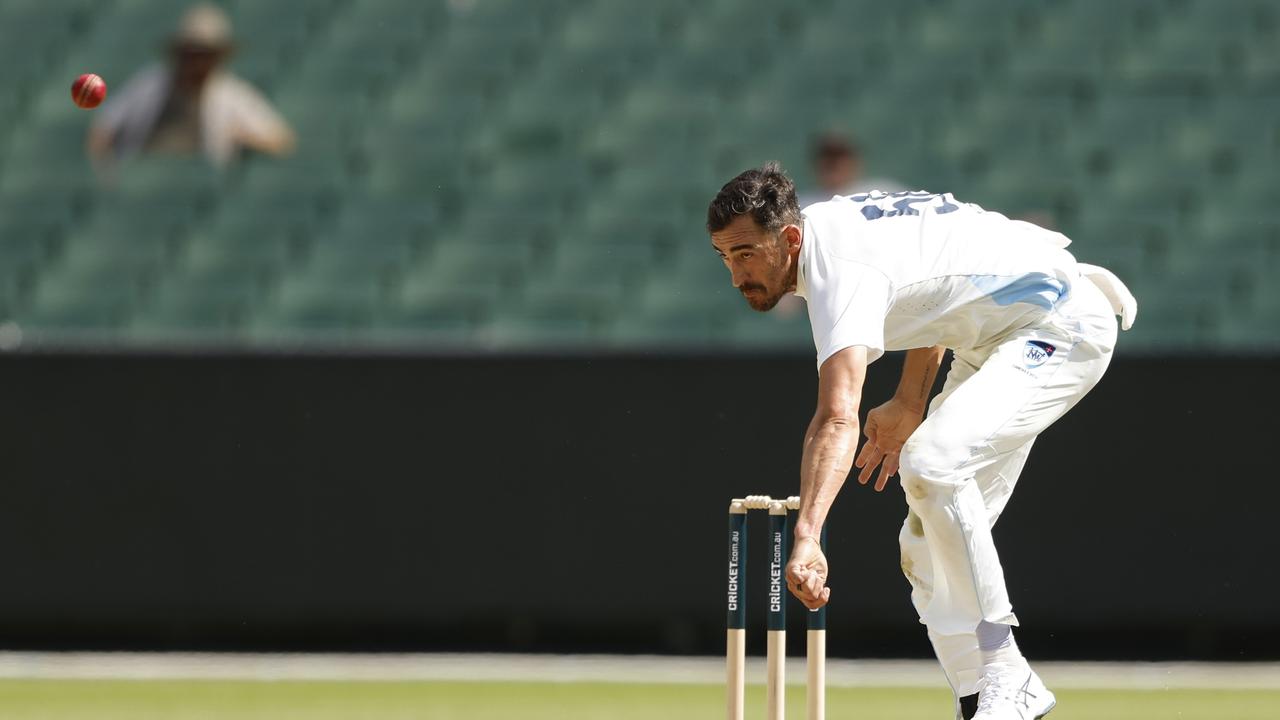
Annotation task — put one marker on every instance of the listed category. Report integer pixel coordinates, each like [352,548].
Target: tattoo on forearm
[924,386]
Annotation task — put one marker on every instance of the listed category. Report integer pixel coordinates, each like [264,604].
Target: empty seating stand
[515,174]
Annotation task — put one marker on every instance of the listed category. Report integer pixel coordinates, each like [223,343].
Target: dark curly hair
[765,192]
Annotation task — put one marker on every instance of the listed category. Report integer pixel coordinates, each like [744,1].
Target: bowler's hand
[807,574]
[888,428]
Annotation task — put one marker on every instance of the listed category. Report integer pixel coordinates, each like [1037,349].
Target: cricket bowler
[1031,331]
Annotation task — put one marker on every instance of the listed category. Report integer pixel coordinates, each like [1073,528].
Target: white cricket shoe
[1013,692]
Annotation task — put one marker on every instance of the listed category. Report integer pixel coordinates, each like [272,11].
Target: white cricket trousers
[960,466]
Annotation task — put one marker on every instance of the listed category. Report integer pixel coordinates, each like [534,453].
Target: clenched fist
[807,573]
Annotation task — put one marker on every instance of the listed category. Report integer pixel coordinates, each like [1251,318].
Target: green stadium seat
[137,218]
[255,16]
[354,67]
[124,38]
[428,128]
[1229,273]
[848,23]
[163,179]
[1249,332]
[577,73]
[425,163]
[473,299]
[48,217]
[1184,60]
[675,327]
[1083,18]
[1249,20]
[1133,190]
[467,260]
[321,176]
[608,223]
[329,142]
[353,258]
[513,16]
[49,16]
[599,275]
[31,46]
[1231,225]
[20,256]
[261,241]
[1249,127]
[83,297]
[28,237]
[1067,64]
[433,326]
[332,309]
[974,40]
[728,27]
[57,143]
[1027,190]
[682,192]
[376,219]
[694,292]
[198,304]
[549,321]
[1177,321]
[775,330]
[1000,129]
[1136,245]
[286,181]
[635,24]
[1123,122]
[1260,69]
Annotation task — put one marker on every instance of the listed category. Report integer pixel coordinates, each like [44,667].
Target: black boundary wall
[578,503]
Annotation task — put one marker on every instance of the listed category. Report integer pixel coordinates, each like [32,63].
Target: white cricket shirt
[916,269]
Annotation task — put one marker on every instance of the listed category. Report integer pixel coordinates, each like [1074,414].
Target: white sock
[997,644]
[993,636]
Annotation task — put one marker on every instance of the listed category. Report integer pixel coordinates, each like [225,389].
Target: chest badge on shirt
[1036,353]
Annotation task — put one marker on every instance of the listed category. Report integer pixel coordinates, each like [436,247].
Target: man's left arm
[891,424]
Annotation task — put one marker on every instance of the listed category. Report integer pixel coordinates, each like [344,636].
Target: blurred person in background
[838,167]
[190,105]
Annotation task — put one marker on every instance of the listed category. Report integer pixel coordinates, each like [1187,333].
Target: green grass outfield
[209,699]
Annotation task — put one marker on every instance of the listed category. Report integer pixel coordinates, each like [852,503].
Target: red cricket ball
[88,91]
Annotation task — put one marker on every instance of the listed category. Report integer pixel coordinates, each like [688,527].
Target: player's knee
[912,532]
[914,554]
[924,462]
[928,477]
[911,539]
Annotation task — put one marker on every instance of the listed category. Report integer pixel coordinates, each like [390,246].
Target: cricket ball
[88,91]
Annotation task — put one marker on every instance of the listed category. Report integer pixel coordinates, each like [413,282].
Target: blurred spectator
[838,168]
[191,105]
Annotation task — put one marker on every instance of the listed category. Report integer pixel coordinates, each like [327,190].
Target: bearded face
[763,294]
[760,262]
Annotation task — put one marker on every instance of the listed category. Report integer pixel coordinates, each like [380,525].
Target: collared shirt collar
[805,233]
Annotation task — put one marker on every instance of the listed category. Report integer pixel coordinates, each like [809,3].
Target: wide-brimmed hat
[204,27]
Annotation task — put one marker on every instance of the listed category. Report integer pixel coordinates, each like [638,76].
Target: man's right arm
[831,439]
[829,445]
